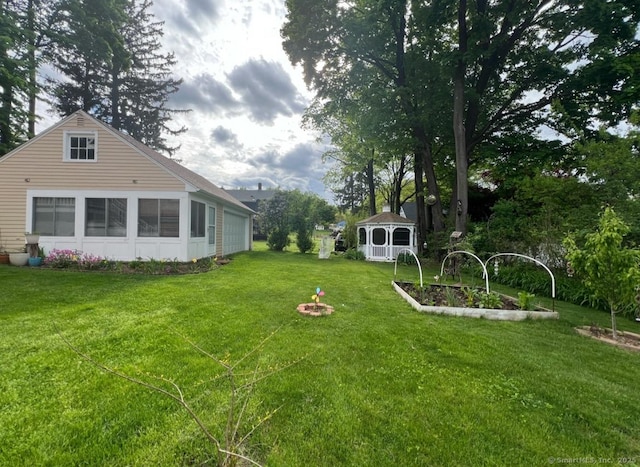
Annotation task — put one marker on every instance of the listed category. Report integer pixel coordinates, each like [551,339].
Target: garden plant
[609,268]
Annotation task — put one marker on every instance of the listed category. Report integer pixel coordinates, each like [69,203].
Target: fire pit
[314,309]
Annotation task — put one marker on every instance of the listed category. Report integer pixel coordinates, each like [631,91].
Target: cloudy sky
[246,99]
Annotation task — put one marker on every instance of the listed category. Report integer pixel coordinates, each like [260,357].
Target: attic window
[80,146]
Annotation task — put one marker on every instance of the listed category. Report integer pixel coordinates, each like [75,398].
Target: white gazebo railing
[384,252]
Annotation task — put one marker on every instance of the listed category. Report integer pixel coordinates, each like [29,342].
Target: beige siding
[39,165]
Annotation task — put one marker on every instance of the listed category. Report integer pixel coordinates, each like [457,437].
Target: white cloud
[246,98]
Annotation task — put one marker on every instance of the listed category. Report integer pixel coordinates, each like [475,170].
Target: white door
[234,233]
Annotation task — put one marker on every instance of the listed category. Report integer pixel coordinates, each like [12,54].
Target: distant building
[251,199]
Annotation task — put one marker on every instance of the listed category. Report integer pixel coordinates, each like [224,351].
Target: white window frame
[68,134]
[211,230]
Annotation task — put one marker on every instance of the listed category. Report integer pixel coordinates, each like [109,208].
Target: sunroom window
[106,217]
[54,216]
[401,236]
[158,218]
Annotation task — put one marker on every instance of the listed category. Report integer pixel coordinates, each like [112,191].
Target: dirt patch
[625,339]
[455,296]
[315,309]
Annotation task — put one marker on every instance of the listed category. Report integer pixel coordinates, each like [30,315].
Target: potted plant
[19,258]
[37,260]
[4,254]
[32,238]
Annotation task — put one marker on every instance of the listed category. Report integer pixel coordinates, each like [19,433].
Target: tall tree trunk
[421,219]
[437,219]
[371,185]
[397,187]
[423,162]
[462,181]
[115,99]
[6,92]
[32,64]
[427,164]
[6,105]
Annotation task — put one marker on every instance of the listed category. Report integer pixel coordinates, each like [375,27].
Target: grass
[379,384]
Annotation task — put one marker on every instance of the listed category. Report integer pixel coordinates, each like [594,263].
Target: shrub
[535,280]
[304,240]
[353,253]
[406,258]
[489,300]
[525,300]
[278,240]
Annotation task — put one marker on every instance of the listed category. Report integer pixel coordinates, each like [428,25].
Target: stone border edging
[501,315]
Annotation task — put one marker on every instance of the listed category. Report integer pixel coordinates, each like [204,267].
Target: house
[383,236]
[85,186]
[252,199]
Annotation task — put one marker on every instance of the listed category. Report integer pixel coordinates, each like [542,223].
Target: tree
[349,189]
[13,87]
[37,18]
[293,211]
[366,132]
[338,44]
[507,51]
[302,220]
[608,268]
[491,68]
[110,56]
[273,216]
[84,41]
[140,92]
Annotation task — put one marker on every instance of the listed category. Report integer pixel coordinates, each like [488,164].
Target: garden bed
[625,340]
[452,300]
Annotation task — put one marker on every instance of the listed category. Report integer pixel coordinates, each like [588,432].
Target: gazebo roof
[386,217]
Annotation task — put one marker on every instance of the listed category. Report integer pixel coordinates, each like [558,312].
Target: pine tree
[113,66]
[13,86]
[148,84]
[84,38]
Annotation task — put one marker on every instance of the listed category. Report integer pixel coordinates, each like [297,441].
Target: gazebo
[383,236]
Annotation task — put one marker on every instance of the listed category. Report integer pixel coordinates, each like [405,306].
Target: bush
[537,281]
[278,240]
[353,253]
[304,240]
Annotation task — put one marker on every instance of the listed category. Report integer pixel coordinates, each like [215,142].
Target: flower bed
[73,259]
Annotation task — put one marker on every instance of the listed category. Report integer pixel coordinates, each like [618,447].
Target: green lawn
[378,383]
